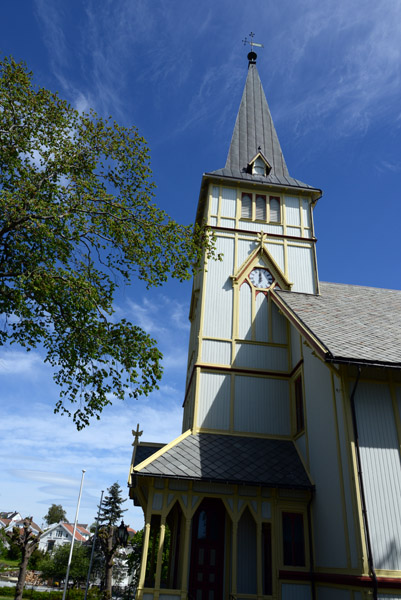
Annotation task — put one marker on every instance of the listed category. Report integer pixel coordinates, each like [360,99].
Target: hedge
[72,594]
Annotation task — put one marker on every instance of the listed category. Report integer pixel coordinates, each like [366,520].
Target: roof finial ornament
[252,56]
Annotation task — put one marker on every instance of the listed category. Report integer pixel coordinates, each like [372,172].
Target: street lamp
[122,534]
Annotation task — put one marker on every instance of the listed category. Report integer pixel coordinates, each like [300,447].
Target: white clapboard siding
[214,401]
[261,318]
[300,269]
[228,202]
[296,591]
[279,326]
[379,448]
[324,468]
[262,405]
[215,201]
[295,346]
[215,352]
[277,252]
[254,356]
[306,212]
[219,292]
[292,212]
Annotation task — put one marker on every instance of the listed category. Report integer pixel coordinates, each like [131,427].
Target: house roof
[351,323]
[81,534]
[254,132]
[229,459]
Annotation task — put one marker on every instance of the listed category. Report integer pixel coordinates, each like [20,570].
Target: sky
[176,70]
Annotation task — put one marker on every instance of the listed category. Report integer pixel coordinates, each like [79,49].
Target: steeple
[255,135]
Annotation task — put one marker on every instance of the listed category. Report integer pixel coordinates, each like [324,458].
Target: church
[286,480]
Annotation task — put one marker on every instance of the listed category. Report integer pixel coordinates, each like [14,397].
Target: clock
[261,278]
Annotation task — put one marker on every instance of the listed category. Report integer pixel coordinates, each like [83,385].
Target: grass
[8,562]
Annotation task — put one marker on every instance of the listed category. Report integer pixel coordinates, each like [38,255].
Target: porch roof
[228,459]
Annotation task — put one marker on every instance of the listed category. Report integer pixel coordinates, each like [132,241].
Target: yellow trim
[251,261]
[160,452]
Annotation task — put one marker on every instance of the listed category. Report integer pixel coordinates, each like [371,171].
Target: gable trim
[160,452]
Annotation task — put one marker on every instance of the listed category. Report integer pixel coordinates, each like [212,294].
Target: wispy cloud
[19,363]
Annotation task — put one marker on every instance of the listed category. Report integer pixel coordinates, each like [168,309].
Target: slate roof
[254,129]
[231,459]
[144,450]
[353,323]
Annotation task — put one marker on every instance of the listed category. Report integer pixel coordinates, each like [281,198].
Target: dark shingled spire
[254,132]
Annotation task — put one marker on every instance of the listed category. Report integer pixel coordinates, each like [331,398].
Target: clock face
[261,278]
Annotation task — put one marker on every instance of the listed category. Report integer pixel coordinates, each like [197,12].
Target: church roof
[350,322]
[254,132]
[229,459]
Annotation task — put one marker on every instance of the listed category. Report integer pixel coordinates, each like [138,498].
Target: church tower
[227,501]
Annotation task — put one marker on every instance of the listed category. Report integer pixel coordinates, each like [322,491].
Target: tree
[27,542]
[55,514]
[111,512]
[77,218]
[54,566]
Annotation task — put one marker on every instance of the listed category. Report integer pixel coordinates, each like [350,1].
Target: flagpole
[93,546]
[73,534]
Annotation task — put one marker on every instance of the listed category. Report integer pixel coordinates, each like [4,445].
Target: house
[14,519]
[60,534]
[286,480]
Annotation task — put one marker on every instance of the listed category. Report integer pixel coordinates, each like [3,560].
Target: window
[261,208]
[259,167]
[299,404]
[275,216]
[293,540]
[59,533]
[246,206]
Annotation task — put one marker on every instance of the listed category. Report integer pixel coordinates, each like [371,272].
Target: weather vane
[137,434]
[251,42]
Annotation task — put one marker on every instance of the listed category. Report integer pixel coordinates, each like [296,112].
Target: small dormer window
[259,167]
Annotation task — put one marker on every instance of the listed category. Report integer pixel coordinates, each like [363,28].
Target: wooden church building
[286,480]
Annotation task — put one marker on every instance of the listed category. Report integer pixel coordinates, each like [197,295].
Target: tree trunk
[22,575]
[109,556]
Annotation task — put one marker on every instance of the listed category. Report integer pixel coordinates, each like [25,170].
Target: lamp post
[121,534]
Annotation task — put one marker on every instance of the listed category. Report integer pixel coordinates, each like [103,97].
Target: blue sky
[176,69]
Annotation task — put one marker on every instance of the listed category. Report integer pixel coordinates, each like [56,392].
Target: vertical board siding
[215,200]
[379,448]
[352,526]
[295,591]
[292,212]
[246,554]
[262,405]
[327,593]
[300,269]
[277,252]
[244,249]
[294,231]
[279,326]
[228,202]
[261,318]
[254,356]
[265,227]
[229,223]
[214,401]
[300,443]
[388,597]
[245,312]
[306,212]
[295,346]
[328,518]
[217,353]
[219,292]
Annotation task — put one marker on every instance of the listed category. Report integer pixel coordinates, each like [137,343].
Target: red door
[207,551]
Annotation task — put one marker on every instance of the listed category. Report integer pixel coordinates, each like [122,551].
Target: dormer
[259,165]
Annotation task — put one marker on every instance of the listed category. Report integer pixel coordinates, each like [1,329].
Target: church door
[207,551]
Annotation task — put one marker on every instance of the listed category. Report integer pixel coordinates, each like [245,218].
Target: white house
[60,534]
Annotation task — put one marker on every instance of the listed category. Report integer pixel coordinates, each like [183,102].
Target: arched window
[261,208]
[246,206]
[275,216]
[259,167]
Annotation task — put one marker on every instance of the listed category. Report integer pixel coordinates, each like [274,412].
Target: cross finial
[262,237]
[137,434]
[251,42]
